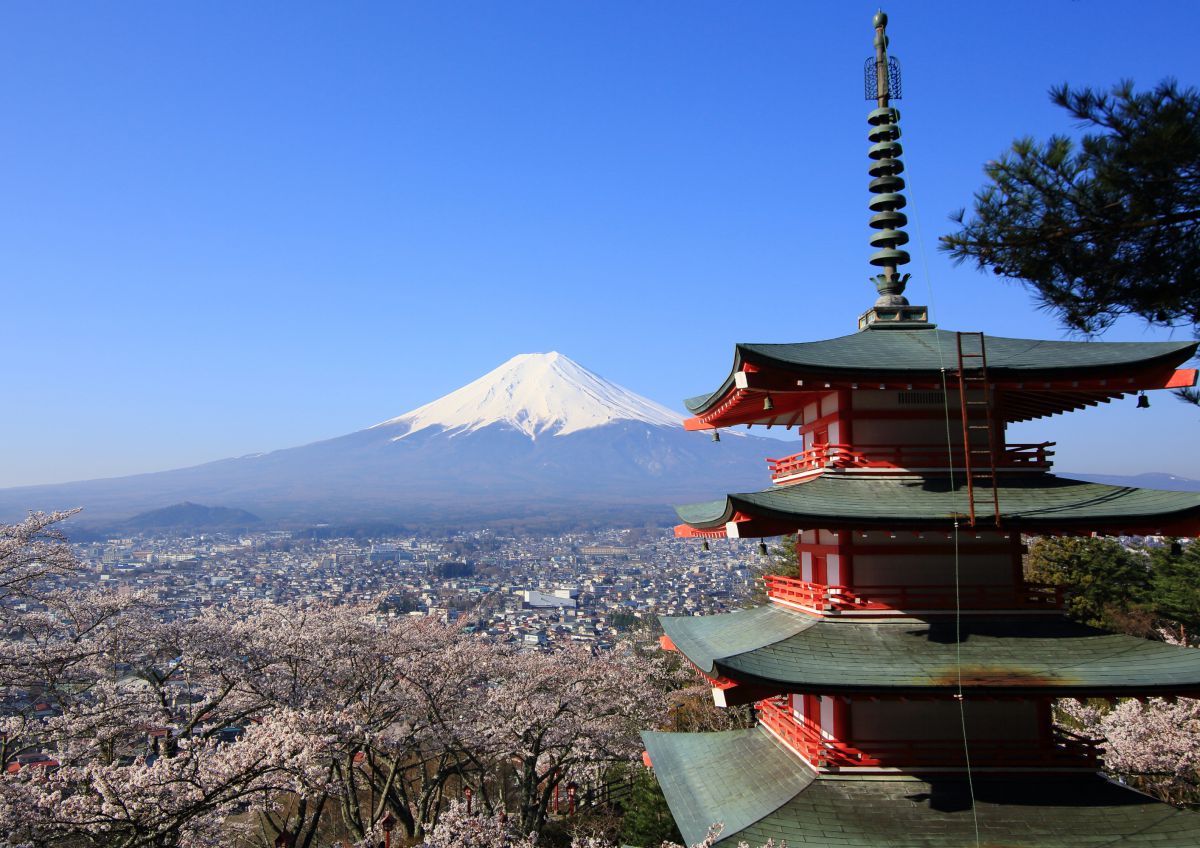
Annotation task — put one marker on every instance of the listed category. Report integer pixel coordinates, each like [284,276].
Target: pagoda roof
[737,777]
[772,648]
[892,353]
[1034,502]
[1038,377]
[741,778]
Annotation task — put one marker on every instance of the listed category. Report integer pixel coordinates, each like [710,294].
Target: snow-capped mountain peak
[537,394]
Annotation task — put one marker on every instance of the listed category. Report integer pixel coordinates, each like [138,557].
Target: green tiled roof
[914,352]
[1033,501]
[730,777]
[745,774]
[782,650]
[706,639]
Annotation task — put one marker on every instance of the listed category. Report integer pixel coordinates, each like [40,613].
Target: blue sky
[232,227]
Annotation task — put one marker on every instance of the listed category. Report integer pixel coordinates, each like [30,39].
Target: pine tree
[1105,226]
[1175,586]
[1104,581]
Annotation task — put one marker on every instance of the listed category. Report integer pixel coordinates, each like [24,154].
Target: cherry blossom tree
[123,726]
[458,828]
[564,716]
[183,799]
[31,551]
[398,696]
[111,731]
[1154,744]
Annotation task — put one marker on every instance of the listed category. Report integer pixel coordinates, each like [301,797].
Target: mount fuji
[536,394]
[538,441]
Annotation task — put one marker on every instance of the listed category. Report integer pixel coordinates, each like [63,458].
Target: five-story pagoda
[905,681]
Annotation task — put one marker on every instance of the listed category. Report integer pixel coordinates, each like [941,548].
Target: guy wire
[958,696]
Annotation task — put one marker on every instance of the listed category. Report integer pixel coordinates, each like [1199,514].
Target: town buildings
[580,587]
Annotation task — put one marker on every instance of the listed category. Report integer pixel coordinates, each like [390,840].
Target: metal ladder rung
[979,411]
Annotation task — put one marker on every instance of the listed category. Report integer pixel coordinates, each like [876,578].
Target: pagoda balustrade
[824,597]
[882,458]
[1064,750]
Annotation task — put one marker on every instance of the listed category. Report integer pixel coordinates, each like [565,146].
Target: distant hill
[538,439]
[1149,480]
[192,516]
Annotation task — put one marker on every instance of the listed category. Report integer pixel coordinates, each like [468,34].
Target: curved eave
[736,777]
[759,791]
[773,649]
[702,403]
[1035,503]
[928,351]
[1040,377]
[943,812]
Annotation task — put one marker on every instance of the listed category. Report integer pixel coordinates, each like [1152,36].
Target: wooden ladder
[979,462]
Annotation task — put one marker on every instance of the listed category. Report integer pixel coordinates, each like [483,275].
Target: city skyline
[233,230]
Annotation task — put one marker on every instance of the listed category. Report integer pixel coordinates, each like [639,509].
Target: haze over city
[234,229]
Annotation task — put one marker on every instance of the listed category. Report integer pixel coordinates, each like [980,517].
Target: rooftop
[785,651]
[887,353]
[1040,502]
[759,790]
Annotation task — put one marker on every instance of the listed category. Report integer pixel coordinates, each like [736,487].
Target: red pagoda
[904,682]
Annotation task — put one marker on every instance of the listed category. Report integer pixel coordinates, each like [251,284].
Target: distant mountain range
[539,442]
[1150,480]
[538,439]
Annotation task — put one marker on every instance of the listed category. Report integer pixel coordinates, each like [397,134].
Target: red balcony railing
[1064,750]
[832,598]
[900,458]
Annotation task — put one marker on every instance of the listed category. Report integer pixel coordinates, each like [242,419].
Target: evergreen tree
[1105,226]
[1175,587]
[1104,581]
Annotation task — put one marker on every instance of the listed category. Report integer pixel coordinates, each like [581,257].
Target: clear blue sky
[234,227]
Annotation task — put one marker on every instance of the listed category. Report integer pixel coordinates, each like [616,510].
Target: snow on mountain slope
[536,394]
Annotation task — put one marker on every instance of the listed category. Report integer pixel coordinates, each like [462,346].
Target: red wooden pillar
[841,719]
[845,418]
[844,539]
[1018,564]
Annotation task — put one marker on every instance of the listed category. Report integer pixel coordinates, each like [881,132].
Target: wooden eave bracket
[726,691]
[748,526]
[745,406]
[742,404]
[687,531]
[736,695]
[730,693]
[1177,378]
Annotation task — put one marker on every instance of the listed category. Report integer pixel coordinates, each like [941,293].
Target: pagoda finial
[882,77]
